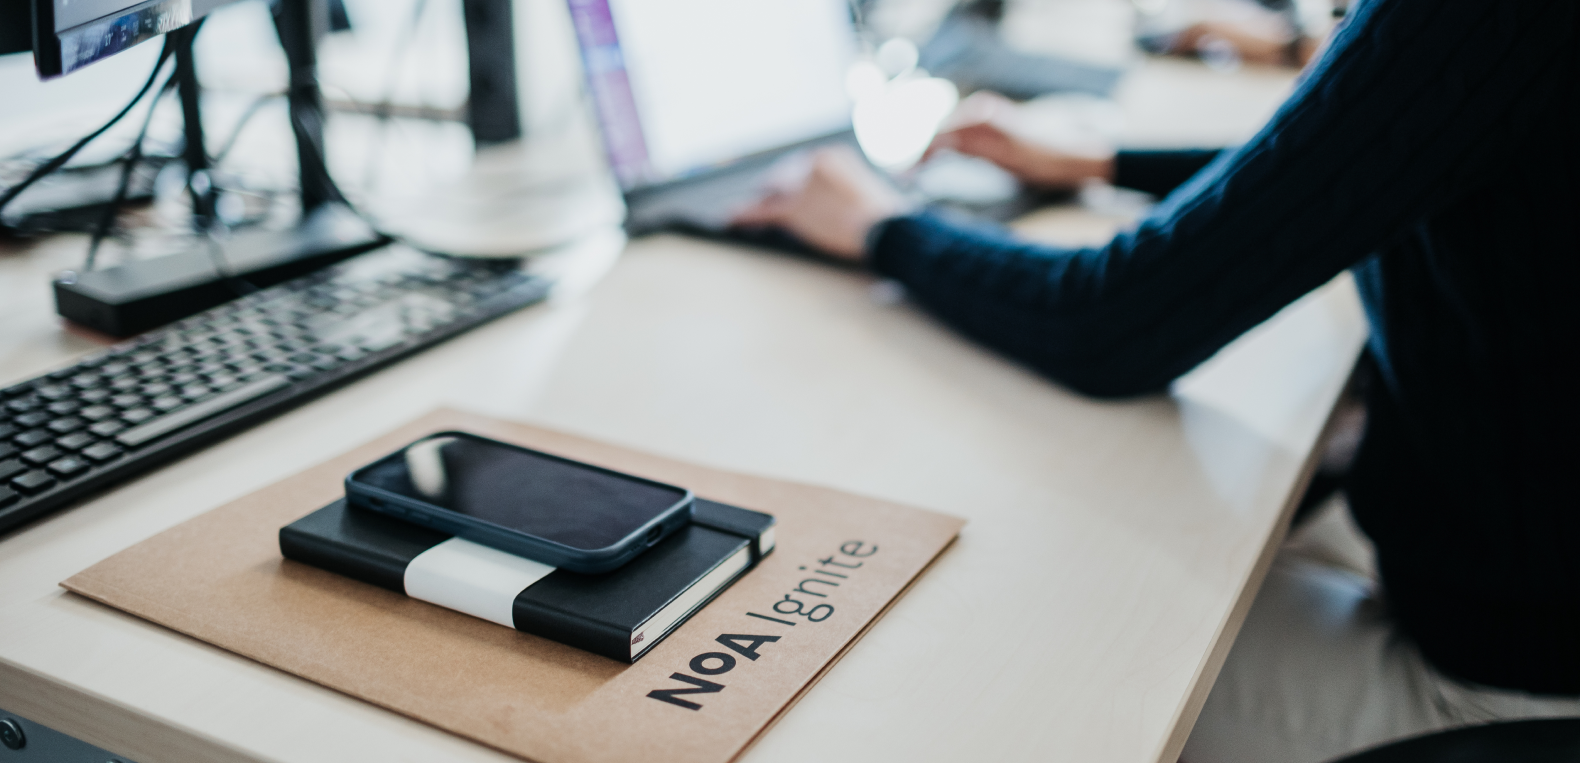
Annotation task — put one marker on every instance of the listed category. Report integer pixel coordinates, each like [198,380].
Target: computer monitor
[70,34]
[329,229]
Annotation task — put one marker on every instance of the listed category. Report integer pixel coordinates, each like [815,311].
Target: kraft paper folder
[703,695]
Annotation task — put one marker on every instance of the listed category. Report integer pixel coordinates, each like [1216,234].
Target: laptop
[698,98]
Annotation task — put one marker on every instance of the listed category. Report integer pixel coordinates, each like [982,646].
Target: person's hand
[1249,44]
[984,126]
[830,200]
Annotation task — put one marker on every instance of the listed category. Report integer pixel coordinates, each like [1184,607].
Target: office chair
[1547,740]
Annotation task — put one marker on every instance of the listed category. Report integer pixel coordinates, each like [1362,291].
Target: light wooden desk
[1112,551]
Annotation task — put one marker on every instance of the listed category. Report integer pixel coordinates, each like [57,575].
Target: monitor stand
[517,198]
[141,294]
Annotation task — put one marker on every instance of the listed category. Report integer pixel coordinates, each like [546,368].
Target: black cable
[219,157]
[246,116]
[134,155]
[383,110]
[65,156]
[321,166]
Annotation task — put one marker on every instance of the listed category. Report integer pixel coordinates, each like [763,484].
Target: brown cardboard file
[220,577]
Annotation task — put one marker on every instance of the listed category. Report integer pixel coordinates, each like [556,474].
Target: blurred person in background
[1431,150]
[1226,33]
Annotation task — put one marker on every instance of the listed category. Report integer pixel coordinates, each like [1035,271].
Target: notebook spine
[569,628]
[342,559]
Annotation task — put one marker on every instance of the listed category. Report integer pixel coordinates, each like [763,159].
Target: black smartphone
[553,510]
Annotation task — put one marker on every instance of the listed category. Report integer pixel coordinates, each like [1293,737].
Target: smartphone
[564,513]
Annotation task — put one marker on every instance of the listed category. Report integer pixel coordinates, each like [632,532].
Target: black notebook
[619,614]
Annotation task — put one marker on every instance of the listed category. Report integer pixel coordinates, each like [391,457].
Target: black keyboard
[125,410]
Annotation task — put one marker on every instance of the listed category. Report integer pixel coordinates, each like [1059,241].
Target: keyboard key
[137,416]
[167,403]
[127,400]
[125,383]
[7,450]
[107,427]
[11,468]
[36,481]
[63,407]
[68,467]
[7,431]
[62,426]
[85,380]
[7,496]
[154,390]
[54,392]
[42,455]
[76,441]
[182,379]
[97,412]
[23,404]
[34,419]
[33,438]
[104,451]
[199,411]
[96,395]
[112,370]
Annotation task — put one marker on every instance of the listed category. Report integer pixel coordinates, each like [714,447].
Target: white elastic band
[478,580]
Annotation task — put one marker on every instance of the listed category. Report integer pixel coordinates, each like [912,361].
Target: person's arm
[989,126]
[1160,172]
[1417,101]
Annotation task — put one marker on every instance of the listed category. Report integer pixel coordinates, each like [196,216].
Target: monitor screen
[684,85]
[71,34]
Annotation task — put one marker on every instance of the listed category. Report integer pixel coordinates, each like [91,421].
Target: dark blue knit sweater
[1433,151]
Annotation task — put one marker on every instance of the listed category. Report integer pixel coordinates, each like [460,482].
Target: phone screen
[562,501]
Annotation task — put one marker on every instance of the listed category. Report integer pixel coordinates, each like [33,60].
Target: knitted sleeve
[1160,172]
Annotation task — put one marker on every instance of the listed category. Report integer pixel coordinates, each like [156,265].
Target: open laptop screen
[681,86]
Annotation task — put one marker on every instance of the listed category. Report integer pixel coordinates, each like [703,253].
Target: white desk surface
[1112,550]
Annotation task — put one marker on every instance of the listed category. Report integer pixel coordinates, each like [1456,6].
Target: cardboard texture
[220,578]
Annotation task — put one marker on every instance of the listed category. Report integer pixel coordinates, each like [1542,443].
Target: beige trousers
[1318,671]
